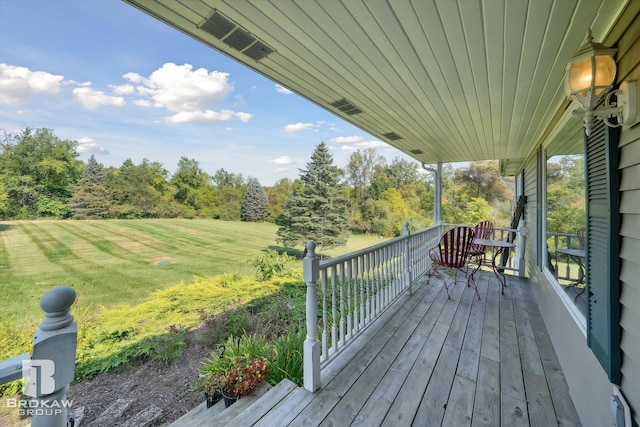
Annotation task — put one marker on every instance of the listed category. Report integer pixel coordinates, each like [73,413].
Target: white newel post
[54,347]
[407,256]
[311,269]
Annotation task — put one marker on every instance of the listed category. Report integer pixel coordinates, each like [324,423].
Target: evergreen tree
[319,210]
[89,197]
[254,203]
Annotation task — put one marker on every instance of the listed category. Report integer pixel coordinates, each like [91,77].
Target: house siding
[591,392]
[628,59]
[630,266]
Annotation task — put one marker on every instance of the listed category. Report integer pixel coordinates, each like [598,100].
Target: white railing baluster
[334,309]
[343,279]
[350,309]
[325,336]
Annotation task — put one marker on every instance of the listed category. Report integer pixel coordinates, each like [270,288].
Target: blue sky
[127,86]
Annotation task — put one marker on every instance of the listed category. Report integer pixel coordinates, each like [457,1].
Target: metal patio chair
[452,254]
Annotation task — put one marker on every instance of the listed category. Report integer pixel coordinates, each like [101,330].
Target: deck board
[433,361]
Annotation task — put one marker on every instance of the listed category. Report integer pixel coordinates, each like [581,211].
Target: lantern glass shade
[589,78]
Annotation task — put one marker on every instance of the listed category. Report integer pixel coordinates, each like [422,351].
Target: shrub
[270,264]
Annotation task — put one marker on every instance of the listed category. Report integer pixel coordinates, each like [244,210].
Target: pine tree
[254,203]
[319,210]
[89,197]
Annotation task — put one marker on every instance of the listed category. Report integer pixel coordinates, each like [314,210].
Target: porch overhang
[442,81]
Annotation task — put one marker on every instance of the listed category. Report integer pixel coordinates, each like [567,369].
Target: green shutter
[603,225]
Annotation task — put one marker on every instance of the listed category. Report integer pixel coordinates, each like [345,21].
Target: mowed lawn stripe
[109,245]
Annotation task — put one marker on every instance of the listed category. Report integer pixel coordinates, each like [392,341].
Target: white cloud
[89,146]
[19,83]
[284,160]
[282,89]
[92,99]
[244,117]
[282,170]
[371,144]
[142,103]
[193,96]
[298,127]
[123,89]
[206,116]
[346,139]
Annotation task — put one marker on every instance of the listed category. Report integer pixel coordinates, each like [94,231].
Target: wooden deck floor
[430,361]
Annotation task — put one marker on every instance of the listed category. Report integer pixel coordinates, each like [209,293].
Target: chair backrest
[454,247]
[484,230]
[581,238]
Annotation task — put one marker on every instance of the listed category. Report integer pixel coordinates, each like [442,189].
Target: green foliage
[270,264]
[50,208]
[35,164]
[89,198]
[254,203]
[319,211]
[475,211]
[566,206]
[288,361]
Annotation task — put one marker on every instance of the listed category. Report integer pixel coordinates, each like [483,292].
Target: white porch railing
[355,289]
[51,365]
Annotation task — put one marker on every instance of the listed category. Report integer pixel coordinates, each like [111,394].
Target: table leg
[499,275]
[580,277]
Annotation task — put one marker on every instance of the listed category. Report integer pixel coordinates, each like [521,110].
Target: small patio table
[577,255]
[501,246]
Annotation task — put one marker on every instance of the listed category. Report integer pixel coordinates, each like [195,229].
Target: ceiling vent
[257,51]
[346,107]
[217,25]
[416,151]
[236,37]
[392,136]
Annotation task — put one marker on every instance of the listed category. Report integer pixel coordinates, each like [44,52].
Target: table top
[572,252]
[494,243]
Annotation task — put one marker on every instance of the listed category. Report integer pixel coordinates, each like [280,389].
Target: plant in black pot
[213,388]
[243,378]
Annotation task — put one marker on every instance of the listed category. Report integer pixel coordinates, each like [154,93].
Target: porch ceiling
[440,80]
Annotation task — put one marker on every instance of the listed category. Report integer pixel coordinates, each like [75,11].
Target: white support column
[54,348]
[311,269]
[437,187]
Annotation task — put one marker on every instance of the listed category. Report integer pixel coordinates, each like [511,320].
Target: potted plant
[213,389]
[243,378]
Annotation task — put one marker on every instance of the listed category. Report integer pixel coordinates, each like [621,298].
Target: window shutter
[603,225]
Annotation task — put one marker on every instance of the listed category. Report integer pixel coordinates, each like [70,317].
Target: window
[565,221]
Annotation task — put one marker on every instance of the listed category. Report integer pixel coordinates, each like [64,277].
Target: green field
[114,262]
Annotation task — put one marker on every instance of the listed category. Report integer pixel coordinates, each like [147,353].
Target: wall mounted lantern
[590,76]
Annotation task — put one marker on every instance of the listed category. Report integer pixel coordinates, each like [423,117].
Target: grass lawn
[114,262]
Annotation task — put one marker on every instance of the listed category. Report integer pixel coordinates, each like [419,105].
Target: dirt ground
[169,388]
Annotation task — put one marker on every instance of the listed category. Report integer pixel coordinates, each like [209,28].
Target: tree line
[42,177]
